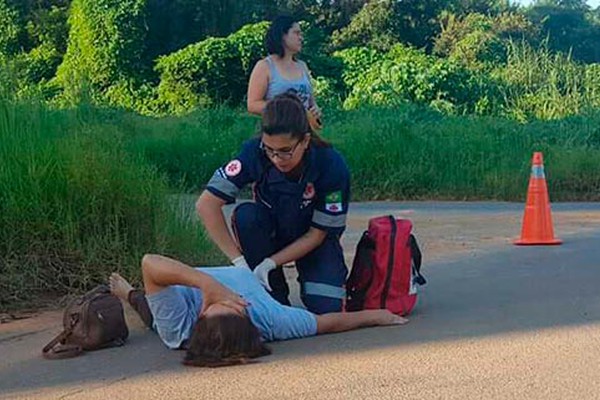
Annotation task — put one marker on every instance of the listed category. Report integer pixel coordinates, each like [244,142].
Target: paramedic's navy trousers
[321,273]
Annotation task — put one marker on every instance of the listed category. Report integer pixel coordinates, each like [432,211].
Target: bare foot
[119,286]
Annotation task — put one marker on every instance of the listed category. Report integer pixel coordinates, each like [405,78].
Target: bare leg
[135,297]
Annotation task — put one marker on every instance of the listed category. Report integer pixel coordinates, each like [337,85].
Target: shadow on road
[515,289]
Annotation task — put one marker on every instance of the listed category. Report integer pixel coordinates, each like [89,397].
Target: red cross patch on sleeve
[233,168]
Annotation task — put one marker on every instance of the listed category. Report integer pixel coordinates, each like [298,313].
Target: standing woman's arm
[257,88]
[312,107]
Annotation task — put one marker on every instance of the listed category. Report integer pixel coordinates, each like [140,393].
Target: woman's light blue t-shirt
[175,309]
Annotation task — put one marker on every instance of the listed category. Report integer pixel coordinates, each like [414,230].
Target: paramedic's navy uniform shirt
[319,198]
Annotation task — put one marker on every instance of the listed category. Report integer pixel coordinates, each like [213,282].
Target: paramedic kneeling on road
[301,190]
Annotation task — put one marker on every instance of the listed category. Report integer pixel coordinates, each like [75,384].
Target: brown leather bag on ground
[91,322]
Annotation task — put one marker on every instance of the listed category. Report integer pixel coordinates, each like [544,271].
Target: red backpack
[386,268]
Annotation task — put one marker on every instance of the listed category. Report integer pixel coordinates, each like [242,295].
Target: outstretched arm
[160,272]
[340,322]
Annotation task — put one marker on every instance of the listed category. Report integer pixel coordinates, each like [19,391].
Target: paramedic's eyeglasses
[283,155]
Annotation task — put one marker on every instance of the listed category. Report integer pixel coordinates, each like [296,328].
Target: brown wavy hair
[224,340]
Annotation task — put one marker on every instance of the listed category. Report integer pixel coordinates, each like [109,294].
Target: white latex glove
[240,262]
[262,272]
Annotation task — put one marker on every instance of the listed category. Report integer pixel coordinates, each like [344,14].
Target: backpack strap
[362,268]
[55,349]
[362,257]
[417,258]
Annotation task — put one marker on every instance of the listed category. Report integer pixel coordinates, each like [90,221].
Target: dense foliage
[214,70]
[435,99]
[106,46]
[157,57]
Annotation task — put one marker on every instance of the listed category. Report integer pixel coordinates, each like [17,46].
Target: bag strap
[417,258]
[63,351]
[362,257]
[55,349]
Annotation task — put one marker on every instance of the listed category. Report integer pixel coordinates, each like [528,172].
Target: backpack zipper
[390,268]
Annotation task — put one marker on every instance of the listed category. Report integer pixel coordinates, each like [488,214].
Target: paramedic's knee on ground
[322,274]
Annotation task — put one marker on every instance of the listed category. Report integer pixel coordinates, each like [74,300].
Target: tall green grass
[189,148]
[87,191]
[76,205]
[412,153]
[403,153]
[540,84]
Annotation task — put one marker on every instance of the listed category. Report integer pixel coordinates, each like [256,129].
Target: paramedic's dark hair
[286,114]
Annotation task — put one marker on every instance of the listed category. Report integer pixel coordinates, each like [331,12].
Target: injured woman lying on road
[223,315]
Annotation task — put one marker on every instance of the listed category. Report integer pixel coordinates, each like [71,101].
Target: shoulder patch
[333,202]
[309,191]
[233,168]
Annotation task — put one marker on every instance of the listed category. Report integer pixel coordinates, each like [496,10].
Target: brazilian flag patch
[333,201]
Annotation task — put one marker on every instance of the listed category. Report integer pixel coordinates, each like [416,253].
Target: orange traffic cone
[537,220]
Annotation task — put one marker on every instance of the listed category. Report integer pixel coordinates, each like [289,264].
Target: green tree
[47,24]
[212,71]
[409,75]
[478,40]
[357,60]
[33,40]
[249,44]
[569,26]
[10,29]
[106,45]
[418,21]
[547,85]
[487,7]
[175,24]
[334,14]
[373,26]
[382,23]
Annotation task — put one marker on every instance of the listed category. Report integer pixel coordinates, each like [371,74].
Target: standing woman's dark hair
[274,37]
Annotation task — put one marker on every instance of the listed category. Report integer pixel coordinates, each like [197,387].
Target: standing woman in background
[282,72]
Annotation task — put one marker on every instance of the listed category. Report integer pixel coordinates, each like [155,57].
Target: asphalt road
[495,321]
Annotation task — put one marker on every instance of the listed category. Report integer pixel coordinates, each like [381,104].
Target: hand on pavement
[386,317]
[262,272]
